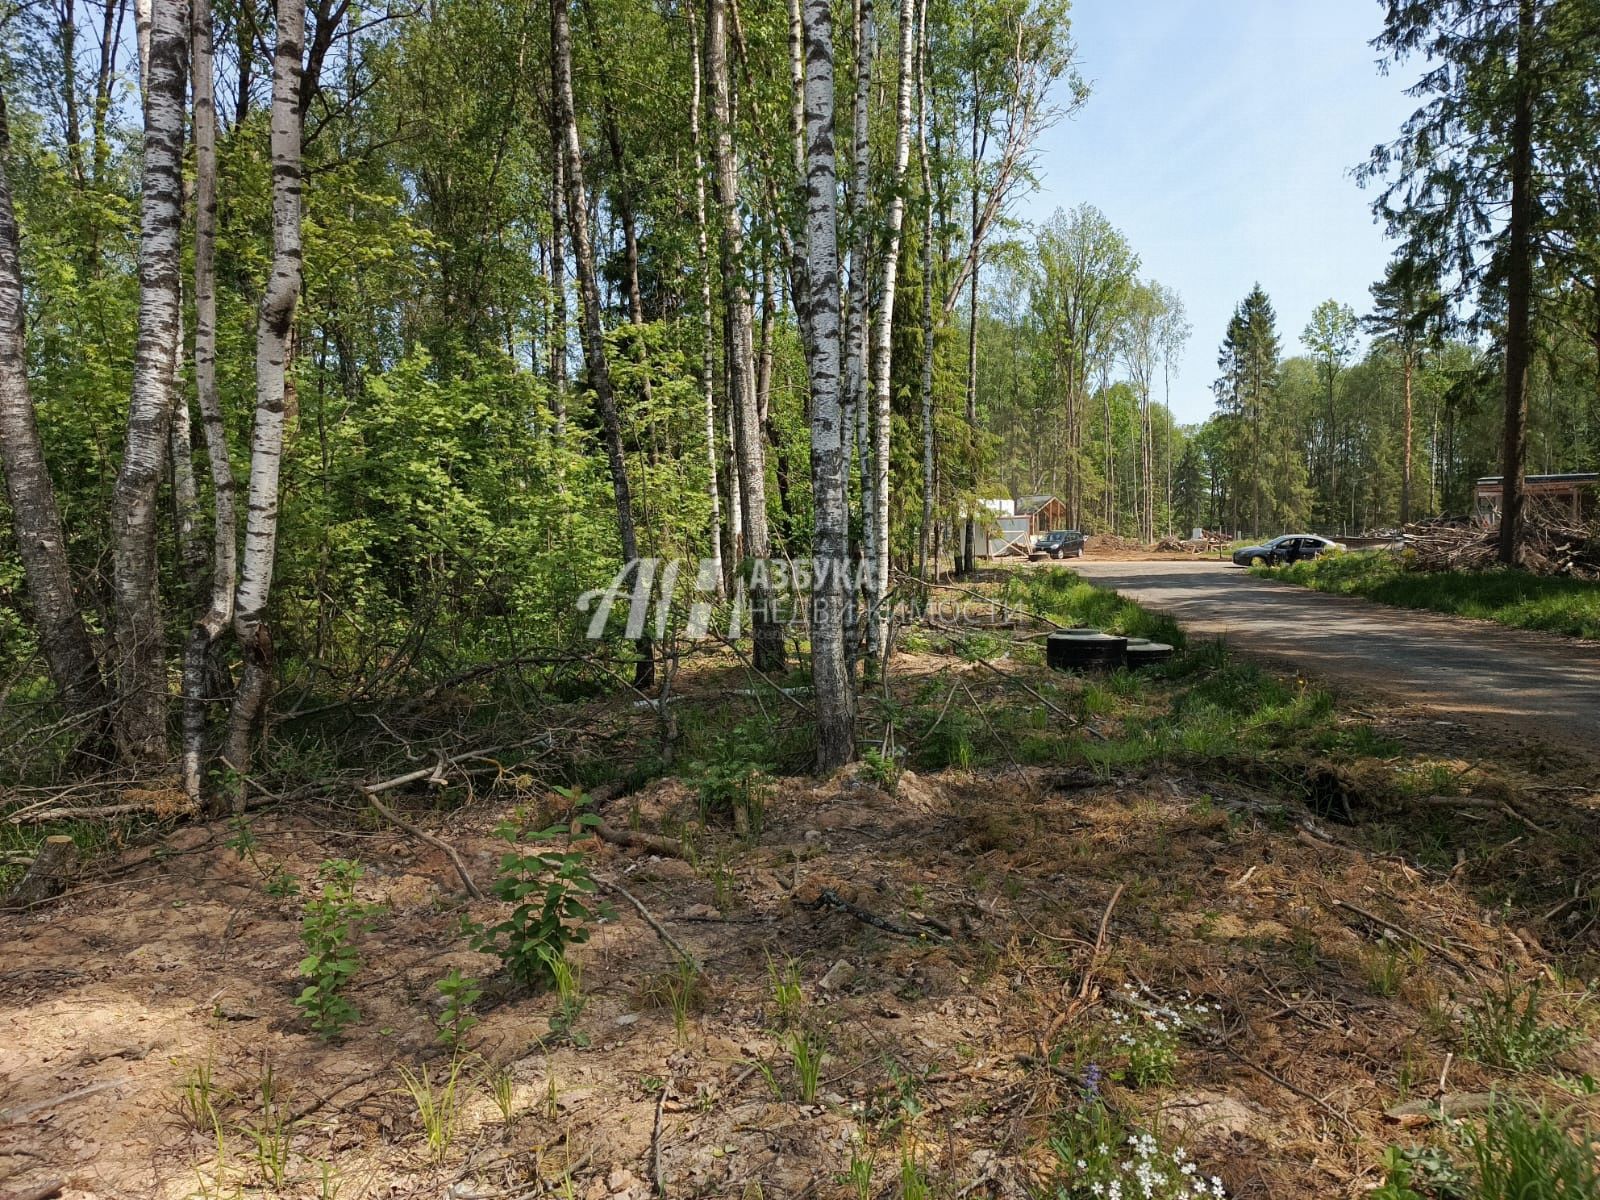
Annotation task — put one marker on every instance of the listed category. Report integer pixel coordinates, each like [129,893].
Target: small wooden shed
[1577,492]
[1045,513]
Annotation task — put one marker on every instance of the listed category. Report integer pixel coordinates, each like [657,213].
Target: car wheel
[1079,553]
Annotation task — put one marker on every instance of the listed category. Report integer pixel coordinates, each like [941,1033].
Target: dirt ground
[968,944]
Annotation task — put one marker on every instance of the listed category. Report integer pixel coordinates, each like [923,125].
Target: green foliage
[567,977]
[806,1053]
[1098,1155]
[1504,1028]
[882,770]
[329,925]
[438,1105]
[1554,604]
[456,1019]
[733,777]
[549,889]
[1523,1153]
[1516,1151]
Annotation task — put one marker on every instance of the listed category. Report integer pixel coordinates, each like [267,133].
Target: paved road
[1537,684]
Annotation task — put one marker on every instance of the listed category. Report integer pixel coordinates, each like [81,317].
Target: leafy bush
[550,889]
[329,925]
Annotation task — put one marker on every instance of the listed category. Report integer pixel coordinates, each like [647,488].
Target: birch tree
[748,443]
[140,667]
[36,519]
[594,345]
[703,265]
[925,383]
[819,314]
[274,327]
[878,627]
[218,614]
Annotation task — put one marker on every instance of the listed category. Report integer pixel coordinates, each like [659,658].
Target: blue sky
[1219,138]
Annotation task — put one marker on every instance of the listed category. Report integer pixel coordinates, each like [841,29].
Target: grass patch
[1057,593]
[1507,597]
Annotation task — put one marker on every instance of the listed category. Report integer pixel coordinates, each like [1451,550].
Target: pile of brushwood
[1553,542]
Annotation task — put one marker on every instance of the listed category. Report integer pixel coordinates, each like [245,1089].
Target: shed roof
[1032,504]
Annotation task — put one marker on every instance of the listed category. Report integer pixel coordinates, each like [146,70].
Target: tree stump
[49,875]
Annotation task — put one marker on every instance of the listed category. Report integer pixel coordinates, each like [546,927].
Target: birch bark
[707,337]
[882,426]
[140,668]
[274,327]
[820,313]
[225,527]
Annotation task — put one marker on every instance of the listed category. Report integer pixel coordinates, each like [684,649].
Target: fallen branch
[1099,944]
[828,898]
[7,1116]
[1404,932]
[672,942]
[639,840]
[656,1177]
[422,835]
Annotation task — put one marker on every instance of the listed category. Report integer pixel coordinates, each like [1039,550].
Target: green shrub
[329,925]
[550,889]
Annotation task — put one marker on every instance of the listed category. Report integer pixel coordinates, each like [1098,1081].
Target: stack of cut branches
[1553,543]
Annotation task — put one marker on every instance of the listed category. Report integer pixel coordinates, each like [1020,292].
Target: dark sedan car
[1059,543]
[1291,547]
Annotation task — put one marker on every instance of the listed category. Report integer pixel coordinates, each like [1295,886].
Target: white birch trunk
[925,533]
[274,323]
[36,518]
[882,422]
[141,674]
[197,663]
[854,431]
[835,705]
[707,335]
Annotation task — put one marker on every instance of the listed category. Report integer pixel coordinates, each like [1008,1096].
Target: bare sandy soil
[1031,913]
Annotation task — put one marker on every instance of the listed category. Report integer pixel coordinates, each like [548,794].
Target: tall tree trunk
[558,281]
[707,336]
[110,34]
[748,443]
[1519,293]
[1407,367]
[854,433]
[197,665]
[882,424]
[274,329]
[36,520]
[925,385]
[68,26]
[969,547]
[830,677]
[141,672]
[594,344]
[1147,529]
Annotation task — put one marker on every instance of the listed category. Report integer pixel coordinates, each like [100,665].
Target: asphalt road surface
[1536,684]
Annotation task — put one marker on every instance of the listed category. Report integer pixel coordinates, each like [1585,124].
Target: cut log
[53,865]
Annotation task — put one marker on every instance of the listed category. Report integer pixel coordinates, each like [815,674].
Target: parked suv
[1058,543]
